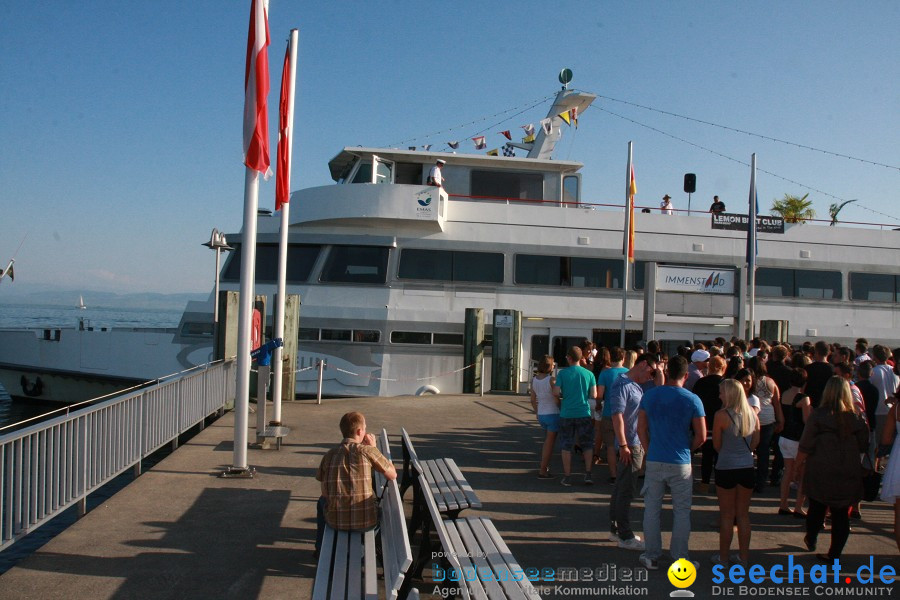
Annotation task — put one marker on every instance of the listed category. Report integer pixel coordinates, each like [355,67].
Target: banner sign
[695,279]
[733,222]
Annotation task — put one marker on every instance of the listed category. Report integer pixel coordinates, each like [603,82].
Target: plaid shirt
[346,476]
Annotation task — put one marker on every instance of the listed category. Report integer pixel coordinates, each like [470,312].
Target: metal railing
[53,465]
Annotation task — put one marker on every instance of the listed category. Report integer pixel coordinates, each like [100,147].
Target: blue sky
[121,121]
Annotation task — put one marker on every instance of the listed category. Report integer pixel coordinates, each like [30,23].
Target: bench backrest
[396,552]
[409,452]
[447,546]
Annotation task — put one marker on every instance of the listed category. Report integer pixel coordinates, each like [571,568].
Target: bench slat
[464,485]
[500,558]
[443,487]
[339,572]
[323,570]
[475,587]
[431,488]
[354,578]
[506,553]
[487,571]
[371,567]
[453,483]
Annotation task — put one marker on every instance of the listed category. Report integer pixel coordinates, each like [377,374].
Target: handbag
[871,480]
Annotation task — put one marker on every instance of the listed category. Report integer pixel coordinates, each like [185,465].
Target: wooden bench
[446,483]
[396,553]
[347,566]
[473,557]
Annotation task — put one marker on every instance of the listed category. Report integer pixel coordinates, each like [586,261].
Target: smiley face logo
[682,573]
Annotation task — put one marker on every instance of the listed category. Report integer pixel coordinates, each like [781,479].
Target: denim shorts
[580,430]
[549,422]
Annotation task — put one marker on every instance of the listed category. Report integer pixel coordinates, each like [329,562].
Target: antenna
[565,77]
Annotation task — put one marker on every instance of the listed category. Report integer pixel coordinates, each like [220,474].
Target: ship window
[308,334]
[410,337]
[877,287]
[372,336]
[455,339]
[798,283]
[336,335]
[448,265]
[408,173]
[300,261]
[570,189]
[818,284]
[775,282]
[356,264]
[364,173]
[504,185]
[568,271]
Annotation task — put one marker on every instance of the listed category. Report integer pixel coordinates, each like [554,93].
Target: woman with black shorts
[735,436]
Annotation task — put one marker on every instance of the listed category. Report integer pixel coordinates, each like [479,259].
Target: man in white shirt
[884,379]
[666,207]
[436,177]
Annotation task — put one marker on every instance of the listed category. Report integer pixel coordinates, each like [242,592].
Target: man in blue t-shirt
[606,434]
[575,386]
[671,425]
[624,399]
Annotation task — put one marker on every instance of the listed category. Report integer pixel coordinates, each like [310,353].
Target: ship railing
[655,209]
[55,464]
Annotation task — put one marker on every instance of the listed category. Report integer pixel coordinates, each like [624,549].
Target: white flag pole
[245,318]
[625,263]
[283,243]
[751,247]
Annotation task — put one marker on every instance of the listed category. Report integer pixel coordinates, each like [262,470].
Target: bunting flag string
[573,114]
[565,117]
[493,152]
[509,150]
[454,145]
[529,129]
[506,134]
[547,126]
[480,144]
[529,139]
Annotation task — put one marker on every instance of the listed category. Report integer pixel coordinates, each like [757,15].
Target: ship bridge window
[408,173]
[876,287]
[425,337]
[300,261]
[506,185]
[356,264]
[568,271]
[451,265]
[798,283]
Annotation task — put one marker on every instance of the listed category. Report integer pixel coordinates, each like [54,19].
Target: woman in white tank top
[546,407]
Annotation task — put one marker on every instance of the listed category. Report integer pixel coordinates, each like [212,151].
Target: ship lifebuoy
[32,390]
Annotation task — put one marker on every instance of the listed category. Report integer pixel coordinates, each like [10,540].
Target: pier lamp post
[217,242]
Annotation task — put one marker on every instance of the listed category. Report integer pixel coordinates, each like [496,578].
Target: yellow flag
[492,152]
[528,139]
[565,117]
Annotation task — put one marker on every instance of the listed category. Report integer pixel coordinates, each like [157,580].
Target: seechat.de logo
[425,202]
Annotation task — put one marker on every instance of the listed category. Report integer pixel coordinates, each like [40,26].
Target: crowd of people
[812,421]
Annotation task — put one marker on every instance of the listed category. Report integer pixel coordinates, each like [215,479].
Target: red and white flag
[480,144]
[256,90]
[283,167]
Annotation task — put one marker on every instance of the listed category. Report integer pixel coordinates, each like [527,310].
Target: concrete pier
[179,531]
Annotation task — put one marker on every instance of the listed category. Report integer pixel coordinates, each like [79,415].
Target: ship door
[383,171]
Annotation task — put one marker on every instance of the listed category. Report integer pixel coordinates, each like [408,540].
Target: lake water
[19,316]
[30,316]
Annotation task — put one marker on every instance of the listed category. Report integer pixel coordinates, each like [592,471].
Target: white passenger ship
[386,267]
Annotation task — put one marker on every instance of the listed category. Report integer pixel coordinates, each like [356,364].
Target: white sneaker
[634,543]
[648,563]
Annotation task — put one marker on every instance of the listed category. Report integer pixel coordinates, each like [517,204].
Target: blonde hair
[630,357]
[838,400]
[735,400]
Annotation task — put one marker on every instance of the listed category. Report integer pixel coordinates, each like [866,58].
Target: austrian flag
[256,91]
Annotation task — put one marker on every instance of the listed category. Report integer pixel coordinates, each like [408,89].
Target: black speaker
[690,183]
